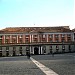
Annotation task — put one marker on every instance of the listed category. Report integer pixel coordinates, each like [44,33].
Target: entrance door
[36,50]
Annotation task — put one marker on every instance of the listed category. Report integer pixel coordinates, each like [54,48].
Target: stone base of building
[39,49]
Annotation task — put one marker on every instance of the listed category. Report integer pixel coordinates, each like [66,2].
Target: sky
[37,13]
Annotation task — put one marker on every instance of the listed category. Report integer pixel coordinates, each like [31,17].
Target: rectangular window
[43,36]
[27,48]
[50,40]
[0,48]
[26,40]
[44,40]
[20,41]
[35,36]
[14,41]
[35,40]
[63,47]
[50,47]
[0,41]
[14,48]
[6,40]
[56,35]
[57,40]
[14,36]
[63,35]
[26,36]
[7,36]
[69,47]
[69,35]
[44,49]
[7,48]
[20,48]
[63,40]
[57,47]
[51,35]
[0,36]
[20,36]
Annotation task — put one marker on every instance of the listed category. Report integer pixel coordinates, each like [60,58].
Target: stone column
[59,37]
[30,38]
[53,37]
[30,49]
[33,49]
[10,38]
[38,38]
[23,38]
[39,49]
[17,38]
[72,37]
[47,37]
[66,37]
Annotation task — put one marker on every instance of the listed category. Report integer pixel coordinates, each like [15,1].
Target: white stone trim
[30,50]
[39,49]
[43,68]
[33,49]
[37,33]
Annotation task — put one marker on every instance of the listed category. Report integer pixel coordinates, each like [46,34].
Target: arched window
[69,48]
[44,49]
[63,48]
[57,48]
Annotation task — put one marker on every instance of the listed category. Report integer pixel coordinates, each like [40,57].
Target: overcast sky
[29,13]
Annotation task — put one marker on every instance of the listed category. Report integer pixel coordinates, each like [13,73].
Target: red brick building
[36,40]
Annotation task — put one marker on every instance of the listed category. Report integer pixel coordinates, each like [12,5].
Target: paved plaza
[62,64]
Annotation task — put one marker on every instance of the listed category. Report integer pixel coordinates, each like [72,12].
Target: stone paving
[63,64]
[18,66]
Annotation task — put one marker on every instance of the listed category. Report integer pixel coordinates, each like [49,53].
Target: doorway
[14,53]
[7,53]
[36,50]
